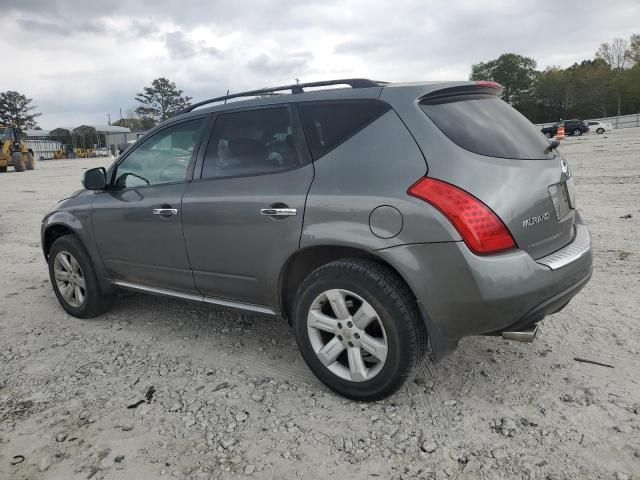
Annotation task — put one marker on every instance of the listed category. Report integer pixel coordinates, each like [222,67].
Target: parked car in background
[380,221]
[573,127]
[599,127]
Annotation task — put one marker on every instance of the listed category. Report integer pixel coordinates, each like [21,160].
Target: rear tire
[600,131]
[577,132]
[30,163]
[74,279]
[18,161]
[382,357]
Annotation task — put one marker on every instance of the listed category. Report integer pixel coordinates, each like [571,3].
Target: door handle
[165,212]
[279,212]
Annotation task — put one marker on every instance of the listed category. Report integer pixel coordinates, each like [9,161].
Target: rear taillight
[480,228]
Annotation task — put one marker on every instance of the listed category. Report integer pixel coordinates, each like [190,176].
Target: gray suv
[381,220]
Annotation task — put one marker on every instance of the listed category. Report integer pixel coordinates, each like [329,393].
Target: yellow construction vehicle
[59,154]
[14,151]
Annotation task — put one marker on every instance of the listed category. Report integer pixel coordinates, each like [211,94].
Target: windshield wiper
[552,146]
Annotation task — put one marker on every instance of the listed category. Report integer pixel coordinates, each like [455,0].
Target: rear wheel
[359,328]
[74,279]
[600,131]
[577,132]
[30,163]
[18,161]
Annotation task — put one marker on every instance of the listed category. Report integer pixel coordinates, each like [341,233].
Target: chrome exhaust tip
[522,336]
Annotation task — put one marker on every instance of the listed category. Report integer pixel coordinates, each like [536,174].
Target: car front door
[137,221]
[242,218]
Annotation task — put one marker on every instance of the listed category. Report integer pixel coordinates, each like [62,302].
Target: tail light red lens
[480,228]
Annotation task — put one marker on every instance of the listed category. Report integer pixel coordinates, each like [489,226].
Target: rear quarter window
[329,123]
[486,125]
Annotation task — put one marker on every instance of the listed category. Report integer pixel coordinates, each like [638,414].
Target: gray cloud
[281,65]
[61,26]
[182,47]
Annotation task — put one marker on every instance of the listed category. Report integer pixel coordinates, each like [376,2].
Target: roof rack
[295,88]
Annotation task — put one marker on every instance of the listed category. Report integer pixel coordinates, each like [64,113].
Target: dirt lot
[233,399]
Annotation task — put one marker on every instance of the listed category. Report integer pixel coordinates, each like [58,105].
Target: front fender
[79,224]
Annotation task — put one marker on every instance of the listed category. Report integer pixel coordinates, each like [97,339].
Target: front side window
[162,158]
[251,142]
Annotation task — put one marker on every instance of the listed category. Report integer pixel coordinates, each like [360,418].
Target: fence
[622,121]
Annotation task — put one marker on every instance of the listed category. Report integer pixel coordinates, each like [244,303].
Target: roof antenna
[226,96]
[297,88]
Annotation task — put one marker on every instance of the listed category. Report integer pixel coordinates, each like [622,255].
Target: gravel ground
[160,388]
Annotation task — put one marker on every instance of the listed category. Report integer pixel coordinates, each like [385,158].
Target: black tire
[397,310]
[95,301]
[17,161]
[577,132]
[30,163]
[600,131]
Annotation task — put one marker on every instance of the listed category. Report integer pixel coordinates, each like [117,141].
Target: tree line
[607,84]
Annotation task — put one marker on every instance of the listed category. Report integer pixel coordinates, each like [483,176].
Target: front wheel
[74,279]
[18,161]
[577,132]
[600,131]
[359,329]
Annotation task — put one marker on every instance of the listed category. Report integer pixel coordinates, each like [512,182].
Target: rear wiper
[552,146]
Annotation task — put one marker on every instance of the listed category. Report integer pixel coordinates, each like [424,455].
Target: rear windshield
[486,125]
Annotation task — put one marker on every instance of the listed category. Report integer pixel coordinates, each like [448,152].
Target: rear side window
[251,142]
[486,125]
[328,124]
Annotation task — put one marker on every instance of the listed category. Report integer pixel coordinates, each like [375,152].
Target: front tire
[74,279]
[577,132]
[17,161]
[600,131]
[359,329]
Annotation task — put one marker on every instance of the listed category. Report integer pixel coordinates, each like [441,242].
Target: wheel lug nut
[340,337]
[356,335]
[349,324]
[339,325]
[350,344]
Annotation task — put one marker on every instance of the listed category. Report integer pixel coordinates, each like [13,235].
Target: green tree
[514,72]
[161,100]
[633,53]
[16,109]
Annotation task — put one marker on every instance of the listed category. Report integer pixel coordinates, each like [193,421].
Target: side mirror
[95,179]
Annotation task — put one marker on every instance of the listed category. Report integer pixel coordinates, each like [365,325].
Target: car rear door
[242,215]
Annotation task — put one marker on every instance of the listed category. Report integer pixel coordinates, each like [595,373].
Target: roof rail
[295,88]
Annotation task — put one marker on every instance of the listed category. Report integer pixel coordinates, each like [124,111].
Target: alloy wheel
[347,335]
[69,279]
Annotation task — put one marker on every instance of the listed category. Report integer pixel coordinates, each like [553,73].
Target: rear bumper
[462,294]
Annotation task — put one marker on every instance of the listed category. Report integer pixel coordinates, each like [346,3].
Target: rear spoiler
[484,87]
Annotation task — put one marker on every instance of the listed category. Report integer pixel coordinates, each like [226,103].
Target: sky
[81,60]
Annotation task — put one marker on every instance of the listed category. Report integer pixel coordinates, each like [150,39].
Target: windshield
[5,134]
